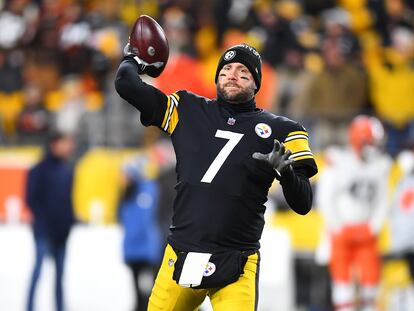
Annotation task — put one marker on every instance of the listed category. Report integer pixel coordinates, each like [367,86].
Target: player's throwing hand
[141,64]
[148,46]
[278,158]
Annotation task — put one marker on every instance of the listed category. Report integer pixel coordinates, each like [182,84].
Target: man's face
[64,147]
[235,83]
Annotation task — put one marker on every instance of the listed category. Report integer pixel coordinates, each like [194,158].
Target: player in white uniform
[352,197]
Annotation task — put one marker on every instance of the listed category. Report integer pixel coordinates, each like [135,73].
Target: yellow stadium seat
[54,100]
[94,101]
[361,20]
[10,106]
[352,4]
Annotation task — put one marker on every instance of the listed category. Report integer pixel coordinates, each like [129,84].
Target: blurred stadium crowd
[324,62]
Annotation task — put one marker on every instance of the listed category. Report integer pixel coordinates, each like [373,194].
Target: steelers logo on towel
[263,130]
[210,269]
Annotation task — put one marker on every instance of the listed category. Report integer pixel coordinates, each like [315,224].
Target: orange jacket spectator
[182,70]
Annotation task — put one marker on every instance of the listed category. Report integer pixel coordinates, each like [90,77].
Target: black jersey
[221,189]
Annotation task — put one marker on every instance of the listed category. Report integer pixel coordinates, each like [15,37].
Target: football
[149,42]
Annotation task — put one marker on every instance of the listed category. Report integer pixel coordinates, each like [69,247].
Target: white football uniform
[351,191]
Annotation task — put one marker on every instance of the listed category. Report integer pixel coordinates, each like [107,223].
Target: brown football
[148,41]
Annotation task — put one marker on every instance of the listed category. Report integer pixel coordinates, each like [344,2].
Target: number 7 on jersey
[233,140]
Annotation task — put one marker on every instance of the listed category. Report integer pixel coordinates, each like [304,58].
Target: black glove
[278,159]
[143,66]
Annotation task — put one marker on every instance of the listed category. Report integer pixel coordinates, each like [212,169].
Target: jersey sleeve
[171,118]
[149,100]
[297,141]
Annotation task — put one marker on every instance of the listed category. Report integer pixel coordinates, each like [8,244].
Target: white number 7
[234,139]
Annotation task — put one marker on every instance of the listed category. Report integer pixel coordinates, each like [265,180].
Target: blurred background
[324,62]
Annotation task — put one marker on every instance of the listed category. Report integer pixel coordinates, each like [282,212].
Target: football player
[228,154]
[352,197]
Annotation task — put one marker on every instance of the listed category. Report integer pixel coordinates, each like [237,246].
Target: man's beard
[244,95]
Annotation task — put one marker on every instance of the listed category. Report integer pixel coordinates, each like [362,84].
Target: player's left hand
[278,158]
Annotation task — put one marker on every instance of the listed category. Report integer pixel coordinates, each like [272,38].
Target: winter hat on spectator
[246,55]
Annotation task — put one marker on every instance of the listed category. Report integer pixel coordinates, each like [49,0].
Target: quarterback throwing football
[228,154]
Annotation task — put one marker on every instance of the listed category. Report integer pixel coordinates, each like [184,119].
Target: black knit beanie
[246,55]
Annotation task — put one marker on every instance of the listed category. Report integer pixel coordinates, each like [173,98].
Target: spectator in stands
[293,84]
[14,18]
[176,24]
[279,21]
[49,197]
[339,92]
[391,77]
[34,119]
[68,117]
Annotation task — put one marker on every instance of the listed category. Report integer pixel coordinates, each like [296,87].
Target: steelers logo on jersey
[210,269]
[263,130]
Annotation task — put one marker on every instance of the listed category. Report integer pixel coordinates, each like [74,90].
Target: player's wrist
[135,60]
[285,173]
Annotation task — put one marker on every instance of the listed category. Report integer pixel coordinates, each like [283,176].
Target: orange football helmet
[365,130]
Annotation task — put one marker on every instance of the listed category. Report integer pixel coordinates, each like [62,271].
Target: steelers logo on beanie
[246,55]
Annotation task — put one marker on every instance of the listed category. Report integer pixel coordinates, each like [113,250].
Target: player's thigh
[369,263]
[167,295]
[341,259]
[241,295]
